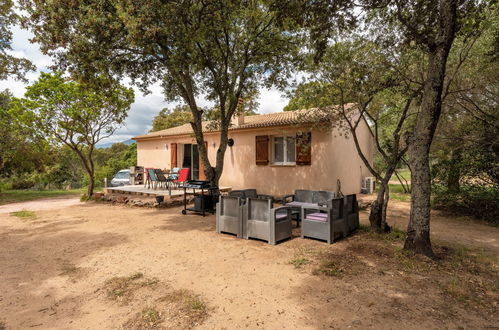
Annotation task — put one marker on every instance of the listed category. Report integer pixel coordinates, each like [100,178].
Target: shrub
[481,202]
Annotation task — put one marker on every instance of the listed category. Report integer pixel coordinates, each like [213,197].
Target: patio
[144,191]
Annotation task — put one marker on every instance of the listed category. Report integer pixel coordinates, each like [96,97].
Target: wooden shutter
[262,149]
[201,166]
[304,148]
[173,153]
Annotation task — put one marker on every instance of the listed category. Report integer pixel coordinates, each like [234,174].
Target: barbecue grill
[203,202]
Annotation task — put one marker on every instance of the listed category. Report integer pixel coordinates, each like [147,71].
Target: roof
[284,118]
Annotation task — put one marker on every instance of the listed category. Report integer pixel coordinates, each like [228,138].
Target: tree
[171,118]
[360,72]
[424,25]
[21,149]
[10,65]
[74,114]
[432,26]
[223,49]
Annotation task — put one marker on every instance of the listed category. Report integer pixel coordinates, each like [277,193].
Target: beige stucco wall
[333,157]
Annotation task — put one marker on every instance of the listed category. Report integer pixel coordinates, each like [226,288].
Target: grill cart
[204,201]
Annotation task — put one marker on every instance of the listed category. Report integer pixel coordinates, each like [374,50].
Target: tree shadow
[35,261]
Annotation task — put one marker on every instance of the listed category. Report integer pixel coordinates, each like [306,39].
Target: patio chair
[352,212]
[264,222]
[183,176]
[161,178]
[229,218]
[323,222]
[300,196]
[152,180]
[323,197]
[173,175]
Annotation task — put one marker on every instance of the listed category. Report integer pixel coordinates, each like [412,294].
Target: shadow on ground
[33,263]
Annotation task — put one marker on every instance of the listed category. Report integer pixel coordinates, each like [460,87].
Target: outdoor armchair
[229,218]
[264,222]
[300,195]
[248,193]
[352,212]
[324,222]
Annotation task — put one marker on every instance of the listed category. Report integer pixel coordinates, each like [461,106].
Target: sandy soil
[54,269]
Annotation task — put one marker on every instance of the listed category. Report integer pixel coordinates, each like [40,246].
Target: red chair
[183,176]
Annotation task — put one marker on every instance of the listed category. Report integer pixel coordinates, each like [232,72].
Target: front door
[191,160]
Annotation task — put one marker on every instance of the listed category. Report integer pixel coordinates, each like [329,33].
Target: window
[283,150]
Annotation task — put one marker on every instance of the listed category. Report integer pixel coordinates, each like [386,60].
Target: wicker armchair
[324,222]
[229,218]
[264,222]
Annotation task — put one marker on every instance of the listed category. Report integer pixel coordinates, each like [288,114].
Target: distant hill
[107,145]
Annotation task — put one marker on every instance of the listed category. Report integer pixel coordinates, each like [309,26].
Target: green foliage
[222,50]
[20,150]
[308,95]
[10,65]
[481,202]
[171,118]
[77,115]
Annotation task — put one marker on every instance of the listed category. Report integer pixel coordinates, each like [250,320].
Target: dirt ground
[97,266]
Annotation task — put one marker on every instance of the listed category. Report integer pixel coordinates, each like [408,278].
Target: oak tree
[74,114]
[220,50]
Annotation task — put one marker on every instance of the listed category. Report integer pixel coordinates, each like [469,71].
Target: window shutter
[262,149]
[304,148]
[173,153]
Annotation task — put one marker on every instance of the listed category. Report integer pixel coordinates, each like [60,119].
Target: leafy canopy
[10,65]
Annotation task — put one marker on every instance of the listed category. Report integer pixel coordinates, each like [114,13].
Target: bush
[481,202]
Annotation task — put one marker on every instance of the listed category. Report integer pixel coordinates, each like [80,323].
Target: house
[275,153]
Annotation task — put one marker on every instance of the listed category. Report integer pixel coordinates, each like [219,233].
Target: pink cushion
[281,216]
[317,216]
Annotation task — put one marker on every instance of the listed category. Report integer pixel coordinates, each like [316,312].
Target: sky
[142,110]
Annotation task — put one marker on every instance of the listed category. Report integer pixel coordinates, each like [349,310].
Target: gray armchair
[264,222]
[249,193]
[304,197]
[301,196]
[352,212]
[324,222]
[229,218]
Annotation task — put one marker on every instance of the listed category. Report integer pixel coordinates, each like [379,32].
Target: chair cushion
[317,216]
[281,216]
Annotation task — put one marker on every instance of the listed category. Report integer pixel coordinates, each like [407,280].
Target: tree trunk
[454,171]
[418,230]
[91,184]
[377,215]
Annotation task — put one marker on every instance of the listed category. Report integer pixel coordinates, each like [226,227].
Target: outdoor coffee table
[296,209]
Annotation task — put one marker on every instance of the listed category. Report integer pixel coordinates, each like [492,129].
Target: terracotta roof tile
[256,121]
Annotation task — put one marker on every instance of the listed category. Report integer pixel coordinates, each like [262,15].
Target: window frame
[286,162]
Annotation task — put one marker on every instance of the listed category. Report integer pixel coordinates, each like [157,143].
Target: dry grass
[123,288]
[185,309]
[460,277]
[24,214]
[165,307]
[72,271]
[148,318]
